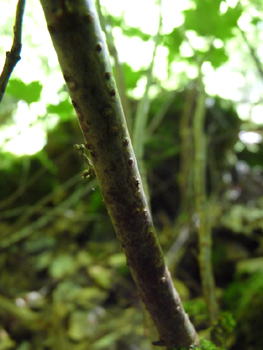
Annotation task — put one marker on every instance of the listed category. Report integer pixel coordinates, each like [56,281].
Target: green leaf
[101,275]
[25,345]
[127,30]
[228,22]
[90,297]
[64,109]
[62,266]
[27,92]
[203,18]
[207,20]
[66,292]
[133,31]
[217,57]
[131,76]
[250,266]
[256,21]
[79,325]
[208,345]
[105,341]
[117,260]
[172,41]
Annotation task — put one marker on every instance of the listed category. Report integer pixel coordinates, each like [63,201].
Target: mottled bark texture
[82,53]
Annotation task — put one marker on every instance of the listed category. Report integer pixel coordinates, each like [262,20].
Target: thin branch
[82,53]
[175,252]
[144,105]
[253,53]
[205,239]
[24,232]
[200,165]
[139,129]
[187,152]
[107,28]
[6,202]
[13,56]
[160,114]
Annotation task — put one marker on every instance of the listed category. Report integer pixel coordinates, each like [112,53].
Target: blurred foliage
[244,298]
[64,109]
[27,92]
[64,282]
[210,26]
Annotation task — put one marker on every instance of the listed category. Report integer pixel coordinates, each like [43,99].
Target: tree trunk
[82,53]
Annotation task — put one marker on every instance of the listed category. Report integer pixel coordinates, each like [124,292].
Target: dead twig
[13,56]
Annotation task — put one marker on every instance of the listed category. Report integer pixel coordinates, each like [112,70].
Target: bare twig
[139,128]
[205,238]
[187,153]
[158,117]
[107,28]
[199,167]
[253,53]
[13,56]
[21,232]
[6,202]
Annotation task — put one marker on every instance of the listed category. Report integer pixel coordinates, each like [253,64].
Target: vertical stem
[186,153]
[253,53]
[205,240]
[139,130]
[118,67]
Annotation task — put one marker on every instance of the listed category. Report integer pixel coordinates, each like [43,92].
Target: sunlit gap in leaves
[250,137]
[25,136]
[39,62]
